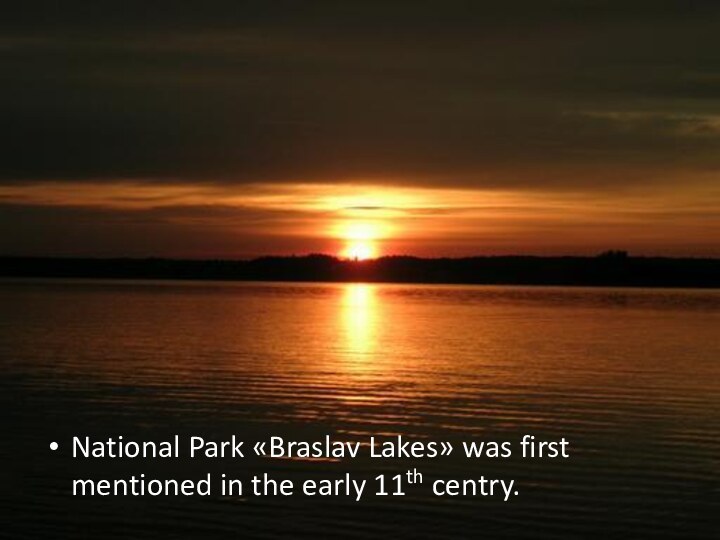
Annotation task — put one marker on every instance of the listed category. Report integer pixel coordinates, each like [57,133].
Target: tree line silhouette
[612,268]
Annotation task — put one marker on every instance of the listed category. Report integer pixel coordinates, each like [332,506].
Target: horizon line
[616,254]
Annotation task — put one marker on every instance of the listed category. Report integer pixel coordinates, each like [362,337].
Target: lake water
[630,377]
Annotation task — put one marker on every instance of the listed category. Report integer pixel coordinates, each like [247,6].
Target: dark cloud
[490,94]
[173,231]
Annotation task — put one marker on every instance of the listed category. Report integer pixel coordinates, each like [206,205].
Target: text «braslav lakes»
[276,447]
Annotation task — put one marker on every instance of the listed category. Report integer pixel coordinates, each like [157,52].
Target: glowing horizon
[360,220]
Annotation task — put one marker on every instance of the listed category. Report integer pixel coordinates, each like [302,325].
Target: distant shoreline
[609,269]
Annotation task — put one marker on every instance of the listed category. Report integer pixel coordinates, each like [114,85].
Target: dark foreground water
[630,377]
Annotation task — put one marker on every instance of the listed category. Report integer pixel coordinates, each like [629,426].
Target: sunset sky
[448,128]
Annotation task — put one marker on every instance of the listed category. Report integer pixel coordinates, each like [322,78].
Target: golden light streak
[359,314]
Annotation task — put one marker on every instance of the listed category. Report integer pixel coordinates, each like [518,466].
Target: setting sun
[359,250]
[360,239]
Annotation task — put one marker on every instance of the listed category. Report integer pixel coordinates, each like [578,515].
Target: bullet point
[53,446]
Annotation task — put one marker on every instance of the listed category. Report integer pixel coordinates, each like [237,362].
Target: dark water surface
[630,377]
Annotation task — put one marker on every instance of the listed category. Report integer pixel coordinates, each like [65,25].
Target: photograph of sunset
[367,225]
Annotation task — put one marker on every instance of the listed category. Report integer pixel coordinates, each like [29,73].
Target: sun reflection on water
[360,320]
